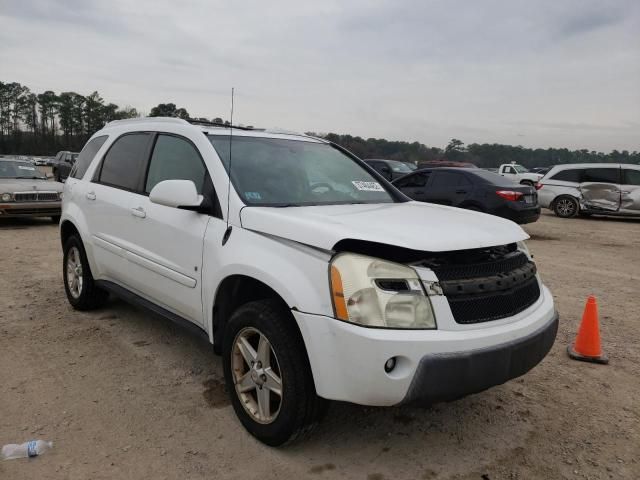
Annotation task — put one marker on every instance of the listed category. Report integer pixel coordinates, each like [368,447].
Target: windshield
[278,172]
[520,168]
[19,170]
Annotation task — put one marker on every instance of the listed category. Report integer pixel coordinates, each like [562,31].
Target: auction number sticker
[368,186]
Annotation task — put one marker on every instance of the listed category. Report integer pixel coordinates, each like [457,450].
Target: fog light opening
[390,364]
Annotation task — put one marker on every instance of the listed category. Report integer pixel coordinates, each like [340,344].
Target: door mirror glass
[176,193]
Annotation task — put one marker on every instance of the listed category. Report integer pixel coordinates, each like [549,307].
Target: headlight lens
[6,197]
[522,246]
[377,293]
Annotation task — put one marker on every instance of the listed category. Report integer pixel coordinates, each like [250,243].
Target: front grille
[485,285]
[477,308]
[35,196]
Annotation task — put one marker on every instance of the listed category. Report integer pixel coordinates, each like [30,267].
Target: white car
[519,174]
[313,276]
[591,188]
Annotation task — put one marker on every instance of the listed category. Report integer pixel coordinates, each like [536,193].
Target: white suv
[311,274]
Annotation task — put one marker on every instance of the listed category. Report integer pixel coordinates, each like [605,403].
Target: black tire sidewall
[293,369]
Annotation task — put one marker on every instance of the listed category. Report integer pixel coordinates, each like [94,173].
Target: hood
[10,185]
[413,225]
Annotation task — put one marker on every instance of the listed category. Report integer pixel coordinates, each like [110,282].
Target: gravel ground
[125,394]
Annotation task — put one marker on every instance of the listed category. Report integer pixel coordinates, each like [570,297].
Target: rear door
[600,188]
[448,188]
[630,195]
[166,243]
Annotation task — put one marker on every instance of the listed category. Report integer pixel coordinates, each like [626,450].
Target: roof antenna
[227,233]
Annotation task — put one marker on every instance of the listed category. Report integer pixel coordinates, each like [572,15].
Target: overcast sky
[536,73]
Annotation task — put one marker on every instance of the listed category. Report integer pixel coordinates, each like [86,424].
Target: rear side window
[449,179]
[571,175]
[175,158]
[602,175]
[631,177]
[123,163]
[86,156]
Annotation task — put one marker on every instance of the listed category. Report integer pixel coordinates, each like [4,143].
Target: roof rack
[127,121]
[194,121]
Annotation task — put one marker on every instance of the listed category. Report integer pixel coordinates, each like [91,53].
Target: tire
[527,182]
[55,219]
[566,206]
[293,413]
[83,294]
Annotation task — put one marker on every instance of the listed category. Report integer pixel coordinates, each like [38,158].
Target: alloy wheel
[566,207]
[256,375]
[74,272]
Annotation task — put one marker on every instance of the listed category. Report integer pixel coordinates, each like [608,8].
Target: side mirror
[176,194]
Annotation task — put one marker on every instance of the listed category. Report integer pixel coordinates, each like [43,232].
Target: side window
[509,170]
[175,158]
[415,180]
[448,179]
[571,175]
[86,156]
[602,175]
[631,177]
[123,162]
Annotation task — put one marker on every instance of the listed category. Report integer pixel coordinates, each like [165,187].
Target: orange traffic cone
[587,345]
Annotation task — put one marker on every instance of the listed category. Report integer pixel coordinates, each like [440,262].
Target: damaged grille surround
[481,286]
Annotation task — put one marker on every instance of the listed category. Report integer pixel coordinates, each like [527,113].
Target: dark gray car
[62,164]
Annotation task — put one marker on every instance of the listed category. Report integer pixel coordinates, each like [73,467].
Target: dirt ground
[125,394]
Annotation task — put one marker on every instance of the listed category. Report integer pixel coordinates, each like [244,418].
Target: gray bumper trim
[444,377]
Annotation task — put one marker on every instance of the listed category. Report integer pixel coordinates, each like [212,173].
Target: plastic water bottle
[27,449]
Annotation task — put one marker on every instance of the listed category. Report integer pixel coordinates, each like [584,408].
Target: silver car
[591,188]
[26,192]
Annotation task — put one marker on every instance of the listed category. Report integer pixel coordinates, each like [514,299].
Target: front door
[630,191]
[600,189]
[166,253]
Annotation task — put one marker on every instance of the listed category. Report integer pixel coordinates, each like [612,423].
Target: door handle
[461,191]
[138,212]
[91,195]
[625,192]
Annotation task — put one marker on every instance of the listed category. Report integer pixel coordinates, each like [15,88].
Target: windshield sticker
[368,186]
[21,167]
[253,195]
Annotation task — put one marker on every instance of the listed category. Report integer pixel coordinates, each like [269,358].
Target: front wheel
[566,207]
[267,374]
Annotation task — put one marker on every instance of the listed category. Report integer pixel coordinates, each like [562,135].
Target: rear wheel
[268,375]
[81,290]
[566,207]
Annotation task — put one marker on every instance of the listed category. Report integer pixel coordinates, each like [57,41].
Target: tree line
[482,155]
[43,123]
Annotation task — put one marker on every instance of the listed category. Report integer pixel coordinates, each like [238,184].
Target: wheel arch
[234,291]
